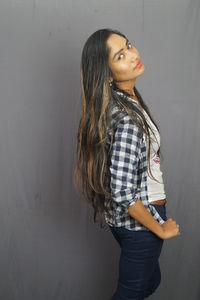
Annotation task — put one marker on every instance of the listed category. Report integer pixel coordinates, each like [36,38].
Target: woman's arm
[142,215]
[167,230]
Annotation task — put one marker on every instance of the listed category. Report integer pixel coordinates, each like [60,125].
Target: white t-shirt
[156,190]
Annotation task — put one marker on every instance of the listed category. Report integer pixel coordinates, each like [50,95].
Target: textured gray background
[49,247]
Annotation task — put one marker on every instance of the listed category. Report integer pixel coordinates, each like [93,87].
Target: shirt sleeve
[124,163]
[155,214]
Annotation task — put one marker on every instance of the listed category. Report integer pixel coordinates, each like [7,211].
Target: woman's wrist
[159,231]
[142,215]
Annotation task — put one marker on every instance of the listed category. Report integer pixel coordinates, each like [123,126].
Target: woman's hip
[138,243]
[141,240]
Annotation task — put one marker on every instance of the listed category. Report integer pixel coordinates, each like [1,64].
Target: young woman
[118,161]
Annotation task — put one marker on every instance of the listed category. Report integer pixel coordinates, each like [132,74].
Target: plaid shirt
[127,173]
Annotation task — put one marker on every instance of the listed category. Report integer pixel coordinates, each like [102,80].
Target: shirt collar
[120,93]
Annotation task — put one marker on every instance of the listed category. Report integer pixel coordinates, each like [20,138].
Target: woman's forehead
[116,40]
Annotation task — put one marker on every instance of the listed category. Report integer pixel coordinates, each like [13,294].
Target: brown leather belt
[159,202]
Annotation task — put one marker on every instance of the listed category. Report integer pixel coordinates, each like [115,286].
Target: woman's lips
[139,64]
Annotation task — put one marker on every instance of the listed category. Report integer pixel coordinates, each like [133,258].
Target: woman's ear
[110,79]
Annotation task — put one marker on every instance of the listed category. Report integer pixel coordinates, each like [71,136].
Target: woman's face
[123,59]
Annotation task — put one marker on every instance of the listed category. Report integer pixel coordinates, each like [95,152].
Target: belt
[159,202]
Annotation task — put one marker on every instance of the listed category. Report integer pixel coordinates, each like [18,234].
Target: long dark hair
[92,155]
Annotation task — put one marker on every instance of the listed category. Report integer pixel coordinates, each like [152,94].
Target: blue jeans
[139,270]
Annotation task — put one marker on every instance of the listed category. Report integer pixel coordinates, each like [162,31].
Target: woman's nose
[134,57]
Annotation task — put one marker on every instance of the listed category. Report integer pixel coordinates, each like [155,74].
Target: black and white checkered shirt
[127,173]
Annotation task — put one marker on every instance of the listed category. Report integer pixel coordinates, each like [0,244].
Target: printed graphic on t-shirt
[156,159]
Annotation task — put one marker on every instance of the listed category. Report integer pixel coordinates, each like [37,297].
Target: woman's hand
[170,229]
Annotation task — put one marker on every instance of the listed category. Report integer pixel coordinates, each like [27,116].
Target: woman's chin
[140,71]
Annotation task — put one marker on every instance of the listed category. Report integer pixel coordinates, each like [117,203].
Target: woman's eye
[120,56]
[129,45]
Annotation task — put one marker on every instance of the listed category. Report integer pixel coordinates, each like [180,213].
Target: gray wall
[49,247]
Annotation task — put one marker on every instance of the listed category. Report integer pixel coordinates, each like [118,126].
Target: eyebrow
[127,41]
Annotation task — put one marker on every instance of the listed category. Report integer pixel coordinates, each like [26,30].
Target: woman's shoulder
[116,114]
[121,121]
